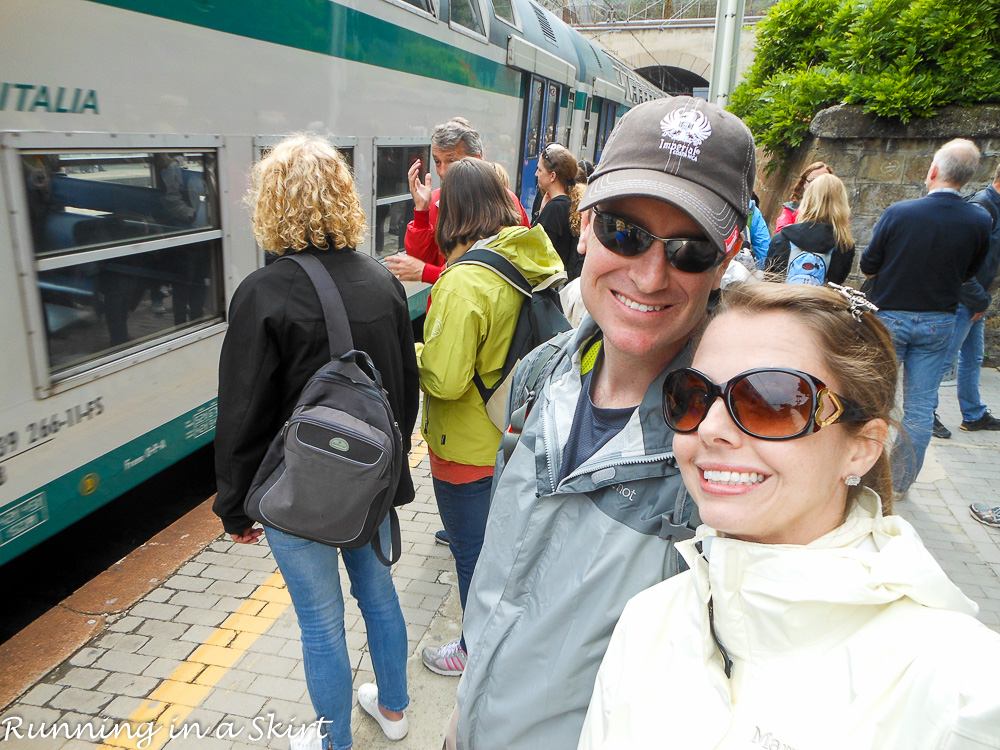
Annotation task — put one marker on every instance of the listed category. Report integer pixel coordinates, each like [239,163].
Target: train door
[606,123]
[541,124]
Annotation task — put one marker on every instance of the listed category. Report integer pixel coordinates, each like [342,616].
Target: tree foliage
[897,58]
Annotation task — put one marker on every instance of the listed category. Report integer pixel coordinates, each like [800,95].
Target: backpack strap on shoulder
[538,372]
[493,260]
[338,330]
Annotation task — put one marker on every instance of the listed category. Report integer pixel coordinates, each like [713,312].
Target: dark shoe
[441,537]
[940,431]
[985,422]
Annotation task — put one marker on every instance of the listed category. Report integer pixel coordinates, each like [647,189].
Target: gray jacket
[559,562]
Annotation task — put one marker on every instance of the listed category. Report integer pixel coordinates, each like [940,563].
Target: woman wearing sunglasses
[560,195]
[810,617]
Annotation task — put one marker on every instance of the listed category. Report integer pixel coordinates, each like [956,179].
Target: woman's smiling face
[773,492]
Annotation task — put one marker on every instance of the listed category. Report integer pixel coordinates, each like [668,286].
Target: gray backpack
[330,475]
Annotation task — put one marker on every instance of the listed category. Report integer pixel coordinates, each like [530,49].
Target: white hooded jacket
[857,640]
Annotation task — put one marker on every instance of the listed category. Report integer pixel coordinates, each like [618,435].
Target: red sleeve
[431,273]
[524,216]
[419,238]
[786,217]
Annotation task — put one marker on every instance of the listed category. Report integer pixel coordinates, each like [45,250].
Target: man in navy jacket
[967,344]
[920,254]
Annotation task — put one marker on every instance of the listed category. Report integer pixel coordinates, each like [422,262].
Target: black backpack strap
[338,330]
[497,263]
[395,543]
[538,372]
[493,260]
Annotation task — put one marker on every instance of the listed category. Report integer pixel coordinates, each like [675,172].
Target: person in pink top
[790,210]
[422,261]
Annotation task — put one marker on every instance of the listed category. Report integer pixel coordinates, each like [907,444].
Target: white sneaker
[368,700]
[307,739]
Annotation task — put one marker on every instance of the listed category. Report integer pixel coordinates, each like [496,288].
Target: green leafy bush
[897,58]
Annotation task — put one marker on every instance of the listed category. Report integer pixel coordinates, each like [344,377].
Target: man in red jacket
[451,141]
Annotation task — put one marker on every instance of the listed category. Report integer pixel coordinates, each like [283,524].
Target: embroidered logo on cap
[686,132]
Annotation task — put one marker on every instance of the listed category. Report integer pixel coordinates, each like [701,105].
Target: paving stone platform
[213,648]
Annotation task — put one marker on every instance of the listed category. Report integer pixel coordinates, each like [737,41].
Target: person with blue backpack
[819,247]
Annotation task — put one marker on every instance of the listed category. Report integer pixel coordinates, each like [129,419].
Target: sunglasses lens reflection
[768,404]
[626,239]
[772,404]
[685,400]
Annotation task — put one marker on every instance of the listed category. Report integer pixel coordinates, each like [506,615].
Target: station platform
[191,642]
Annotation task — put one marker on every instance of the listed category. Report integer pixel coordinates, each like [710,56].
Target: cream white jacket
[855,641]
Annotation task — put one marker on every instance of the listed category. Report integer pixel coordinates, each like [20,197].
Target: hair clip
[858,301]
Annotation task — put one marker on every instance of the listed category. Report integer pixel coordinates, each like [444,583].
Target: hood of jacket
[811,236]
[778,597]
[530,250]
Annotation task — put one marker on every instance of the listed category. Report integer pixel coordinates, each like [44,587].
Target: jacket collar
[780,597]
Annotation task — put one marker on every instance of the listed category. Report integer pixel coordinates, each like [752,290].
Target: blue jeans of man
[967,345]
[921,340]
[464,509]
[310,573]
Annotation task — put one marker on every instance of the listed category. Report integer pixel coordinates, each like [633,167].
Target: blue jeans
[921,340]
[967,346]
[464,509]
[310,572]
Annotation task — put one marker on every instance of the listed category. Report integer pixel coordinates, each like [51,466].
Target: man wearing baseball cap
[587,507]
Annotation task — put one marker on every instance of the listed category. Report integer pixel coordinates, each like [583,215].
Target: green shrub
[897,58]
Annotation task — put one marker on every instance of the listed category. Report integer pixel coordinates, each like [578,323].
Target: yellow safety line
[417,451]
[178,695]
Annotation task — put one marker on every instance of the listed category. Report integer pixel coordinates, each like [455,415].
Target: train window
[79,201]
[346,151]
[552,113]
[393,202]
[423,5]
[535,113]
[504,10]
[466,13]
[127,249]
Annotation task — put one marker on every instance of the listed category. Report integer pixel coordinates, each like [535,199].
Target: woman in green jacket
[468,329]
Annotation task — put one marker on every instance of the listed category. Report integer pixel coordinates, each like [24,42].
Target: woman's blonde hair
[504,177]
[859,354]
[303,194]
[560,160]
[825,200]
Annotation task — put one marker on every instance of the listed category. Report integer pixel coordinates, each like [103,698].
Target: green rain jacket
[469,325]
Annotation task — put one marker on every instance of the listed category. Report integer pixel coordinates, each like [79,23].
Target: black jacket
[554,218]
[277,340]
[976,293]
[814,237]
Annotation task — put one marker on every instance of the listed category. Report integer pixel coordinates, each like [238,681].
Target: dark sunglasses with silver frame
[622,237]
[767,403]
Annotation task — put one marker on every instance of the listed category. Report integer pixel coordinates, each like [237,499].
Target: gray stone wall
[883,162]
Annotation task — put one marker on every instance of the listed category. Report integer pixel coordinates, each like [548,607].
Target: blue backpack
[805,267]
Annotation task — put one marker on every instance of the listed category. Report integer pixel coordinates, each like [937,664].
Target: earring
[853,480]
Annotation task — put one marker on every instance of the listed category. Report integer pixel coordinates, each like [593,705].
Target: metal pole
[728,23]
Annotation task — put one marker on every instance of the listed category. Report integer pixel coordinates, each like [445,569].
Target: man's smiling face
[646,308]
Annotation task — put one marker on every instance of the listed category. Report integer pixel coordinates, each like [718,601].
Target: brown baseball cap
[687,152]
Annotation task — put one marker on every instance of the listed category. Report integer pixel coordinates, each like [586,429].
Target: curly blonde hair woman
[303,194]
[304,204]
